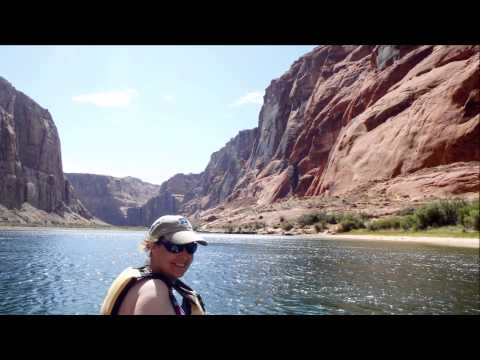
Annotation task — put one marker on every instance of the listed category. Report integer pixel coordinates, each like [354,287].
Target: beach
[473,243]
[441,241]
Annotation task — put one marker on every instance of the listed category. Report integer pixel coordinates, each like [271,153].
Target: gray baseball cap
[175,229]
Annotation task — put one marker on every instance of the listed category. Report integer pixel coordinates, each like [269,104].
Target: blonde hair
[147,243]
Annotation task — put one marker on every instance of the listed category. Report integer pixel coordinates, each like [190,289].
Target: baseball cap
[175,229]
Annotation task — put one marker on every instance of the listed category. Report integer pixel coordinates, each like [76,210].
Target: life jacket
[192,303]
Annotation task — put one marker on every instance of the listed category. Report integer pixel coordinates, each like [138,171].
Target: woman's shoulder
[153,298]
[149,285]
[148,297]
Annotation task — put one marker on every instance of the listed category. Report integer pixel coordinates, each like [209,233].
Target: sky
[146,111]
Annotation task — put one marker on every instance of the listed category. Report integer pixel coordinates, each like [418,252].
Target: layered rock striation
[343,117]
[169,200]
[193,193]
[30,158]
[401,119]
[109,198]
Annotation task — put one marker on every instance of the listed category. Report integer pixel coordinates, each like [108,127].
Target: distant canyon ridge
[361,124]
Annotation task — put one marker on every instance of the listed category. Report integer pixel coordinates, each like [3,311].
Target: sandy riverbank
[442,241]
[473,243]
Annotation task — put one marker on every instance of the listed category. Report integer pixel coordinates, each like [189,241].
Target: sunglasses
[176,249]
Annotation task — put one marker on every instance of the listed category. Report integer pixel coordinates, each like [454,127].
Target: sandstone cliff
[385,122]
[346,115]
[343,118]
[421,111]
[195,192]
[109,198]
[172,195]
[30,161]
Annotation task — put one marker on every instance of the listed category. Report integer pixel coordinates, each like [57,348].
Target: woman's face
[170,264]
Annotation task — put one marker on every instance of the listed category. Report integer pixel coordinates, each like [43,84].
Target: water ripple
[69,272]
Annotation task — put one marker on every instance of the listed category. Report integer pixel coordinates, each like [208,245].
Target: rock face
[221,178]
[420,112]
[30,158]
[396,120]
[109,198]
[344,117]
[172,195]
[195,192]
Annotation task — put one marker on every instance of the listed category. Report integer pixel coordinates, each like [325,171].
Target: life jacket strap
[121,297]
[190,297]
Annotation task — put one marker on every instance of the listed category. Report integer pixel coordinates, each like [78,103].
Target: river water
[69,271]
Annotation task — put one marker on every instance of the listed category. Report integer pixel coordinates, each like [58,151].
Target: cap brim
[186,237]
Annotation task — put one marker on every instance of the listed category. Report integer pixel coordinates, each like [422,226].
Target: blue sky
[146,111]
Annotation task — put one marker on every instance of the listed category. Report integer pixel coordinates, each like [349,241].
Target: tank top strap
[178,309]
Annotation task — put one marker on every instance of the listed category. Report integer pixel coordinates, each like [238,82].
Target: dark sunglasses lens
[173,248]
[191,248]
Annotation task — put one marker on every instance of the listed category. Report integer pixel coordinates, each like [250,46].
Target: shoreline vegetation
[455,216]
[470,241]
[447,222]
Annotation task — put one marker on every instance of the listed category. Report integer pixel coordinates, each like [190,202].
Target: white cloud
[253,97]
[107,99]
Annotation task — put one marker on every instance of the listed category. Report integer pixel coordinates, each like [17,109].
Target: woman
[170,243]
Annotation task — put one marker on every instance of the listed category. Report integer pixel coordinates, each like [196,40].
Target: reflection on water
[69,272]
